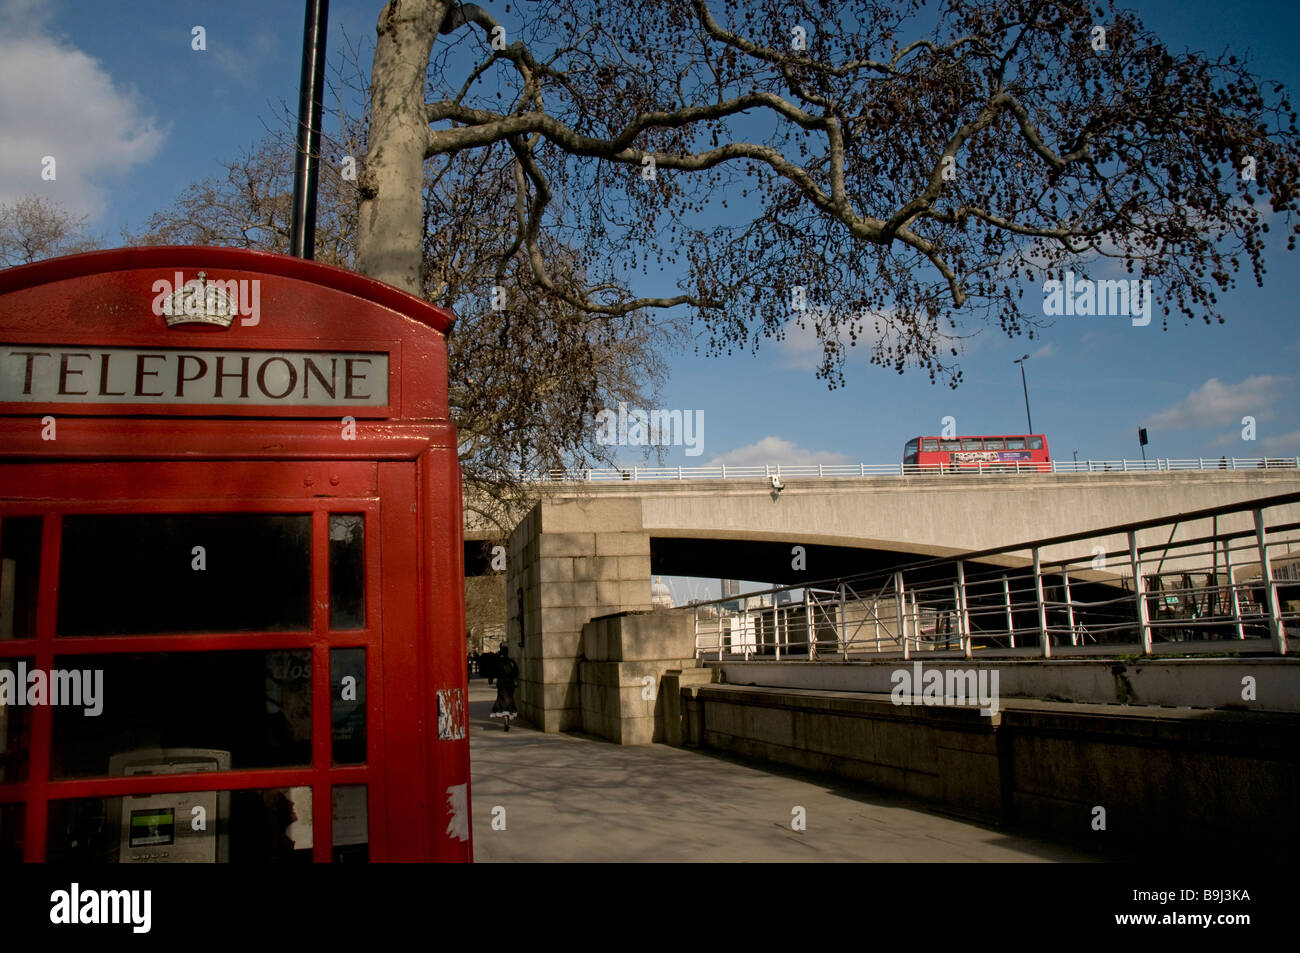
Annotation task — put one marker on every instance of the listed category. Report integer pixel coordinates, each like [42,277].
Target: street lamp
[1028,418]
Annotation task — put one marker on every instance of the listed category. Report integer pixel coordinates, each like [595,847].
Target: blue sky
[114,90]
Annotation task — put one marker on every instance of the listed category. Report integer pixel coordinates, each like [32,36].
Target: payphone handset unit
[187,827]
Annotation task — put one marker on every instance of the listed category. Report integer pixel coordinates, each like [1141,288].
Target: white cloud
[57,101]
[1287,443]
[802,349]
[774,450]
[1215,404]
[1047,350]
[241,60]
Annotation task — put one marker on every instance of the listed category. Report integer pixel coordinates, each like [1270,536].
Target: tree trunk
[390,224]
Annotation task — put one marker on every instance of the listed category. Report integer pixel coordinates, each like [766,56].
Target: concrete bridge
[589,550]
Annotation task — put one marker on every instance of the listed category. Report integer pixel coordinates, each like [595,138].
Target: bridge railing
[1223,579]
[782,472]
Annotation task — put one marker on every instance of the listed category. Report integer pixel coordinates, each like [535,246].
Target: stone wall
[1160,774]
[624,658]
[569,573]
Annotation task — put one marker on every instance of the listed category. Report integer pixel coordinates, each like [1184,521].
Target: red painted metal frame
[48,648]
[402,473]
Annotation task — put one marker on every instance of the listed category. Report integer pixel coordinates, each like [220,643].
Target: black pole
[306,173]
[1028,419]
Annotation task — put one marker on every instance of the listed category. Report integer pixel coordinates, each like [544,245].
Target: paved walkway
[570,798]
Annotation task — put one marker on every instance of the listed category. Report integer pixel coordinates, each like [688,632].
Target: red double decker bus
[999,452]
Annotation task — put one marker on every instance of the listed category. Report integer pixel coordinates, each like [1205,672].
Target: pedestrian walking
[507,672]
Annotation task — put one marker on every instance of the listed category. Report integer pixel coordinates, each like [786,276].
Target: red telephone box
[231,586]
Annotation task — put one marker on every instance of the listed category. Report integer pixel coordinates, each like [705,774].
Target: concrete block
[556,595]
[622,544]
[633,568]
[596,644]
[634,594]
[638,731]
[557,696]
[769,725]
[658,635]
[593,568]
[563,619]
[608,594]
[970,781]
[559,670]
[566,544]
[632,702]
[561,646]
[674,690]
[621,515]
[555,569]
[905,744]
[723,717]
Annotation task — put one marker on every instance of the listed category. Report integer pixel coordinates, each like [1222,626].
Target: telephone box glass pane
[348,705]
[197,827]
[238,709]
[351,824]
[12,819]
[15,721]
[20,565]
[347,571]
[138,573]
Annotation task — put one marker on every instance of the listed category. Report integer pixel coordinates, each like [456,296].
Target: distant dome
[660,594]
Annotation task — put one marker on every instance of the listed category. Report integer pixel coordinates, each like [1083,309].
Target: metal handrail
[658,474]
[936,604]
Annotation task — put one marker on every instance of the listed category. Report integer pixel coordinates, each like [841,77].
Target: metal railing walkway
[1218,588]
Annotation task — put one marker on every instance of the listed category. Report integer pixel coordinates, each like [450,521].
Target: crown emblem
[201,302]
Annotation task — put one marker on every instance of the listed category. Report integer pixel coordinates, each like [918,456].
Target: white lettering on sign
[990,456]
[33,373]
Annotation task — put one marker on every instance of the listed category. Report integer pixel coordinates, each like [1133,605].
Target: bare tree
[249,205]
[33,228]
[528,371]
[898,168]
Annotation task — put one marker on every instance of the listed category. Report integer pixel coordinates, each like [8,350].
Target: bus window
[1015,443]
[971,443]
[930,445]
[910,449]
[994,443]
[948,445]
[1035,443]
